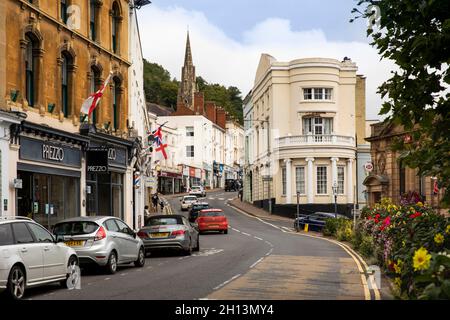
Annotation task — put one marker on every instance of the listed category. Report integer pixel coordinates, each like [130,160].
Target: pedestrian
[155,201]
[146,212]
[161,203]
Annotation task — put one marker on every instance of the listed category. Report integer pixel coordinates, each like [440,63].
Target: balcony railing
[311,139]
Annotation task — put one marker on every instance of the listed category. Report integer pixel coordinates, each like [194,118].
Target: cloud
[221,59]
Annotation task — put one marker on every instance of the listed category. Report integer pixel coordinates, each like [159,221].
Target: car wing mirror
[58,238]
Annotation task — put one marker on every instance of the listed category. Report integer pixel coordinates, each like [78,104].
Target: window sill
[317,101]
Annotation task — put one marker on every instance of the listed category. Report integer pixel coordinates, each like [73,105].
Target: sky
[228,38]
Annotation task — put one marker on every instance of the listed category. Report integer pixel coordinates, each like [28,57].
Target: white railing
[311,139]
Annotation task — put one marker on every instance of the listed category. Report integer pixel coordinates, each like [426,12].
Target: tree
[415,34]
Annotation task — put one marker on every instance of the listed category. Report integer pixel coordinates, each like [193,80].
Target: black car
[195,208]
[231,185]
[315,221]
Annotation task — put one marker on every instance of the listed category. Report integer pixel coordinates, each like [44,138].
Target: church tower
[188,85]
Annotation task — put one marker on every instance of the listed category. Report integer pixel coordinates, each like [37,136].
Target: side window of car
[6,236]
[21,233]
[111,225]
[123,227]
[40,234]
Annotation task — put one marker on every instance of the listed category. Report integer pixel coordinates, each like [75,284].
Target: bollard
[306,227]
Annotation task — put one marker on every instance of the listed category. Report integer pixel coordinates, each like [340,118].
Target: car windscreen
[190,199]
[200,207]
[211,214]
[162,221]
[74,228]
[6,237]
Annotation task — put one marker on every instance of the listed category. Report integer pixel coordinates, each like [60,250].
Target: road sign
[18,183]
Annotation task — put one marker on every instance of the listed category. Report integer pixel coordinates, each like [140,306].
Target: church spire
[188,53]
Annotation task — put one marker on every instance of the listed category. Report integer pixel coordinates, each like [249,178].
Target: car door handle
[24,250]
[46,248]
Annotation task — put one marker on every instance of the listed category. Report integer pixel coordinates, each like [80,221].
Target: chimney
[221,117]
[211,111]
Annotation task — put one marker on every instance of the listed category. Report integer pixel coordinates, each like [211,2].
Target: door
[30,251]
[114,235]
[54,255]
[129,243]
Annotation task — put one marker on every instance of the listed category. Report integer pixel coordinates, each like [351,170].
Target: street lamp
[335,187]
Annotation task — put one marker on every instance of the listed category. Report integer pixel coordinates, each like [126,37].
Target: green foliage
[416,36]
[340,228]
[161,89]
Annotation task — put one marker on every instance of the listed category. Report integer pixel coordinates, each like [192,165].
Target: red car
[212,220]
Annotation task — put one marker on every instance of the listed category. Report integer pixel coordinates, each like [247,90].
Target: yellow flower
[398,282]
[398,266]
[439,238]
[447,230]
[403,243]
[421,259]
[420,204]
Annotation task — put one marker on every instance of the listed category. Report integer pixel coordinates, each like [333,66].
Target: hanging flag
[92,101]
[160,145]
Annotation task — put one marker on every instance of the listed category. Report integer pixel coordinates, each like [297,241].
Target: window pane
[189,131]
[307,94]
[6,237]
[328,93]
[318,93]
[40,233]
[321,180]
[300,179]
[283,178]
[21,233]
[111,225]
[340,173]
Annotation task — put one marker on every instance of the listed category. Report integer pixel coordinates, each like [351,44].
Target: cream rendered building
[305,119]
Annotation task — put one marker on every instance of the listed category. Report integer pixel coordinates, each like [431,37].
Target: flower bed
[411,243]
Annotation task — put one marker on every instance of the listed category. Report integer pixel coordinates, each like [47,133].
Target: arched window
[116,90]
[93,19]
[115,32]
[94,86]
[65,86]
[30,65]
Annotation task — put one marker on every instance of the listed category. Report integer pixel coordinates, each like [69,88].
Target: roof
[212,210]
[159,110]
[91,218]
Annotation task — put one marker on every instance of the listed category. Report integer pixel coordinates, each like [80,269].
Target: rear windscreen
[75,228]
[163,221]
[211,214]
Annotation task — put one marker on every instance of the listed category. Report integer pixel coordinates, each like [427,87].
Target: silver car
[104,241]
[169,232]
[31,256]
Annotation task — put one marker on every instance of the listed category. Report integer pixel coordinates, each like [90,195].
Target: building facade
[248,149]
[58,53]
[390,178]
[305,120]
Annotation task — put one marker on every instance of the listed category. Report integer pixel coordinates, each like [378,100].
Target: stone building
[53,55]
[389,178]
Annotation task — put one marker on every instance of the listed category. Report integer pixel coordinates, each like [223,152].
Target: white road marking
[248,215]
[247,234]
[269,253]
[149,267]
[227,282]
[211,198]
[229,199]
[253,265]
[206,253]
[123,274]
[221,199]
[236,230]
[107,279]
[257,238]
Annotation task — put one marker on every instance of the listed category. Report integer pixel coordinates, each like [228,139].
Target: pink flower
[386,223]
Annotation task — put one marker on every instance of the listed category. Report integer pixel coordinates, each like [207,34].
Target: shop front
[49,174]
[169,182]
[106,183]
[207,168]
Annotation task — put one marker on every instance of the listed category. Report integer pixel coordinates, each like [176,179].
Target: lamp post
[335,187]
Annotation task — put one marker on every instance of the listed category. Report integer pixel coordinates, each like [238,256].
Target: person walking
[155,202]
[161,203]
[146,212]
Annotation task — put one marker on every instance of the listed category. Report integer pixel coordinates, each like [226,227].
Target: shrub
[366,246]
[330,227]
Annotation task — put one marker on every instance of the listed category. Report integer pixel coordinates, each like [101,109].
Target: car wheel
[225,231]
[141,258]
[188,251]
[72,273]
[111,266]
[16,283]
[197,247]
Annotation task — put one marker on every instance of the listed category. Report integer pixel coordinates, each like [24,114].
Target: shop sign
[192,172]
[117,156]
[49,152]
[97,160]
[198,173]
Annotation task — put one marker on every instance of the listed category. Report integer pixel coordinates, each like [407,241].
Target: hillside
[161,89]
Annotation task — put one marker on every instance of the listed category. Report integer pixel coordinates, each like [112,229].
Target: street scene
[206,151]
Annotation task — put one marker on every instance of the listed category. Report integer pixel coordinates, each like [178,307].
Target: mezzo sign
[52,153]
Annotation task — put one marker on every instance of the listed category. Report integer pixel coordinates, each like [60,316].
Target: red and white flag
[435,187]
[160,145]
[92,101]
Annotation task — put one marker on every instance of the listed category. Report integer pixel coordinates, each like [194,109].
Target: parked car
[169,232]
[231,185]
[198,191]
[102,240]
[212,220]
[195,208]
[316,221]
[31,256]
[187,201]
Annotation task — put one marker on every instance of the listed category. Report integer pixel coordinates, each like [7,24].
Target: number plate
[159,235]
[74,243]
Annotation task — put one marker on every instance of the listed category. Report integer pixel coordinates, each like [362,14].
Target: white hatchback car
[187,201]
[198,191]
[31,256]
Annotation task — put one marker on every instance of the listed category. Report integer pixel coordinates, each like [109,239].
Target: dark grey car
[169,232]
